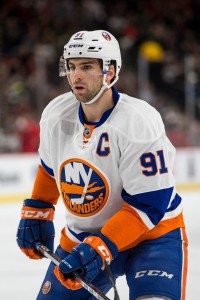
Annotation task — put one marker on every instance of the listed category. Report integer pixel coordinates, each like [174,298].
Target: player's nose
[78,74]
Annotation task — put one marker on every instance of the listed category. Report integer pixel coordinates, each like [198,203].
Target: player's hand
[88,259]
[35,226]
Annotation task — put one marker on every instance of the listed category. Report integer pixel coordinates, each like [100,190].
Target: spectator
[27,79]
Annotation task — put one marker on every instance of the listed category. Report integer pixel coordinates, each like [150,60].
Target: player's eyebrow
[88,62]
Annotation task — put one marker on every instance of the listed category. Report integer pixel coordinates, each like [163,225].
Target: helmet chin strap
[102,89]
[100,92]
[105,86]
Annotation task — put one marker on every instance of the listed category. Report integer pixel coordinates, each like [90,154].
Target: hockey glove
[35,226]
[88,258]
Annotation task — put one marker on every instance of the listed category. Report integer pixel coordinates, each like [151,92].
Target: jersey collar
[105,115]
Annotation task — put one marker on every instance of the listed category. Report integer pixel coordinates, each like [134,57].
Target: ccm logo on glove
[105,253]
[100,247]
[37,214]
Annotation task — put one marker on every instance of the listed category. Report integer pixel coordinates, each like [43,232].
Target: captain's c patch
[84,188]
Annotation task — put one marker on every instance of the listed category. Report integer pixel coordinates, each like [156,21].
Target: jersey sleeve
[45,187]
[44,145]
[148,184]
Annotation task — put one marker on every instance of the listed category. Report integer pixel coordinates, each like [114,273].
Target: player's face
[85,77]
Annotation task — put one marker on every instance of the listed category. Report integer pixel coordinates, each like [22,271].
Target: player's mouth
[78,89]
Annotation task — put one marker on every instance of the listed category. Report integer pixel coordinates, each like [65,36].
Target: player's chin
[80,95]
[80,98]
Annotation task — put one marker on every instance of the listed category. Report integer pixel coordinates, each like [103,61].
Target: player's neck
[93,112]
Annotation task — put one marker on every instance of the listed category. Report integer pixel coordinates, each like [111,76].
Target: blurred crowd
[160,48]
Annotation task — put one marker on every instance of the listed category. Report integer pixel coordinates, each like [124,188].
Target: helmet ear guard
[97,44]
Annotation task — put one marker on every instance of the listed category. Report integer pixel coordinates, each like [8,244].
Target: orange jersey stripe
[162,228]
[185,264]
[65,242]
[45,187]
[126,229]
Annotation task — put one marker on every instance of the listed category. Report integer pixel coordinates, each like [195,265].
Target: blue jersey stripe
[49,170]
[80,236]
[175,203]
[154,203]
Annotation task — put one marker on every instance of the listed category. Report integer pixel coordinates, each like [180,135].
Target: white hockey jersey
[124,159]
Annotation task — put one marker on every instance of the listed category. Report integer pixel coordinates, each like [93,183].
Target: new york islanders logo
[46,287]
[84,188]
[106,36]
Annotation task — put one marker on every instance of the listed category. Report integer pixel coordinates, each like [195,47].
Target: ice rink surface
[20,277]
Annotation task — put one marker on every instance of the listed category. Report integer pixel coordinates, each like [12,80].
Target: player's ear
[111,74]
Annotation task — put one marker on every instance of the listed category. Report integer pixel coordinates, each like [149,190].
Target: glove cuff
[37,210]
[113,248]
[37,203]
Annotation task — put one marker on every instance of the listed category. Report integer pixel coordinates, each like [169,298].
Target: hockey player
[108,157]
